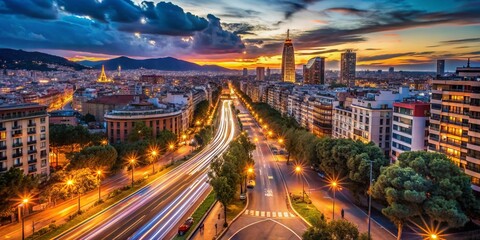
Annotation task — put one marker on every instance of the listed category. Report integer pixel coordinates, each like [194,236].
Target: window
[380,130]
[42,120]
[381,121]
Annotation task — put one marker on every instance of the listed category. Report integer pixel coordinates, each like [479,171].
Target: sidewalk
[322,199]
[209,231]
[60,212]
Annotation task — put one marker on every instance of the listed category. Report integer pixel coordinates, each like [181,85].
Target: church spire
[288,33]
[103,77]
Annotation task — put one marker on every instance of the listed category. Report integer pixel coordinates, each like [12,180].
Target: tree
[223,179]
[88,118]
[165,137]
[201,111]
[64,136]
[404,190]
[140,132]
[83,180]
[94,157]
[14,185]
[333,230]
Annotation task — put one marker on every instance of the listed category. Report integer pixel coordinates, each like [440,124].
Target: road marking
[274,214]
[268,214]
[285,214]
[269,219]
[280,214]
[246,212]
[268,192]
[262,214]
[252,212]
[257,213]
[291,215]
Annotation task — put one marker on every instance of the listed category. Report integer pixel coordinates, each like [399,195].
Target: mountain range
[19,59]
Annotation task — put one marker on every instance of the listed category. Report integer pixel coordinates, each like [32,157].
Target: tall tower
[348,64]
[288,60]
[119,70]
[103,77]
[440,67]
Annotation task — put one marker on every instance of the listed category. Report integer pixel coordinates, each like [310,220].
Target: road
[267,215]
[59,213]
[154,211]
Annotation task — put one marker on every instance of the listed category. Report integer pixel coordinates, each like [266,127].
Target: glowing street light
[132,161]
[23,205]
[104,142]
[255,139]
[270,133]
[280,140]
[70,184]
[154,154]
[334,187]
[299,170]
[99,175]
[171,146]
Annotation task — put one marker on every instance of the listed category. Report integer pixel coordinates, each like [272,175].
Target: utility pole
[370,199]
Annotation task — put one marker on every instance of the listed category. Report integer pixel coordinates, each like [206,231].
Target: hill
[19,59]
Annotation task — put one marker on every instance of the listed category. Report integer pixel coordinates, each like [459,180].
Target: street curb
[233,220]
[203,217]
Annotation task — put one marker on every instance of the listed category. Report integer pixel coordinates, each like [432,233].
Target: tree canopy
[94,157]
[13,186]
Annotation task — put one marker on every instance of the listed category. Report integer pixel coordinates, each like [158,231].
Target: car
[185,226]
[282,152]
[243,196]
[251,184]
[275,151]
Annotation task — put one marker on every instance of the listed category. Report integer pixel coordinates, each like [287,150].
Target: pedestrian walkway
[269,214]
[212,224]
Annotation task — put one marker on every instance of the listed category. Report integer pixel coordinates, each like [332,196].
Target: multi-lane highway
[154,211]
[267,215]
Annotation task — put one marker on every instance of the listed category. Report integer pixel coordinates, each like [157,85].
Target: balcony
[3,129]
[3,169]
[18,164]
[32,124]
[17,127]
[15,155]
[19,144]
[32,151]
[3,158]
[42,138]
[31,170]
[34,160]
[16,134]
[3,147]
[31,132]
[43,155]
[32,142]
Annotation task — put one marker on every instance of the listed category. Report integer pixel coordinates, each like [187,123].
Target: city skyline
[408,35]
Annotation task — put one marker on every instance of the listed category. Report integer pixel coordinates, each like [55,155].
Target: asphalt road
[267,215]
[155,211]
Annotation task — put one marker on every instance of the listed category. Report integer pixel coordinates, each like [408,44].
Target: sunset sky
[406,34]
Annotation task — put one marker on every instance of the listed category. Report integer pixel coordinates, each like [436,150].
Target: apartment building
[455,120]
[409,127]
[24,142]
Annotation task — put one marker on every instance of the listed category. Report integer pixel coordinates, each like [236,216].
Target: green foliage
[94,157]
[13,186]
[204,135]
[426,184]
[201,111]
[88,118]
[83,180]
[164,138]
[140,132]
[337,229]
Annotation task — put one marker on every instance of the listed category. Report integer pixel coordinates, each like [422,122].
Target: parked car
[251,184]
[185,226]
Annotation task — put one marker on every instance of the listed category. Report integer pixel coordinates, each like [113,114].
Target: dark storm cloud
[42,9]
[215,40]
[372,49]
[291,7]
[234,12]
[244,28]
[107,27]
[345,10]
[458,41]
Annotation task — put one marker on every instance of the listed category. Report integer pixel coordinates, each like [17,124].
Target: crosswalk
[269,214]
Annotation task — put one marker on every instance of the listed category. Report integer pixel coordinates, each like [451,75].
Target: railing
[3,147]
[18,164]
[3,169]
[16,134]
[39,113]
[3,158]
[17,155]
[32,142]
[17,127]
[42,138]
[3,128]
[17,144]
[32,160]
[31,132]
[32,124]
[30,170]
[32,151]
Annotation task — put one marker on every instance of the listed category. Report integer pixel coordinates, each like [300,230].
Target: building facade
[288,60]
[440,67]
[348,64]
[455,120]
[314,71]
[260,74]
[409,127]
[24,142]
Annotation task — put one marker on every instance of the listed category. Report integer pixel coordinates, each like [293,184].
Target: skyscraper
[268,72]
[245,72]
[347,68]
[288,60]
[260,73]
[391,70]
[314,71]
[440,67]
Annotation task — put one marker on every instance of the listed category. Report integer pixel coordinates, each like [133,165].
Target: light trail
[185,184]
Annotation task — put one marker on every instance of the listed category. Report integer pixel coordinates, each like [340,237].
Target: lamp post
[334,186]
[298,170]
[154,158]
[70,184]
[23,205]
[99,175]
[132,165]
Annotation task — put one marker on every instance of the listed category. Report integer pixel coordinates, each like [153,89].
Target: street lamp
[99,175]
[280,140]
[23,205]
[70,183]
[334,187]
[299,170]
[104,142]
[154,157]
[132,164]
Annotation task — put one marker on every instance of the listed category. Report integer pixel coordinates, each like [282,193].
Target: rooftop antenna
[468,63]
